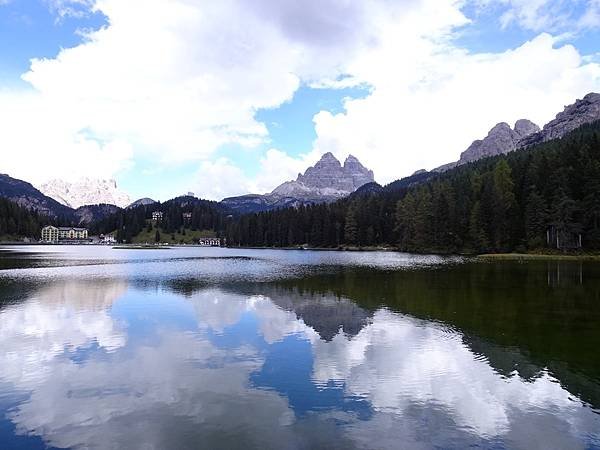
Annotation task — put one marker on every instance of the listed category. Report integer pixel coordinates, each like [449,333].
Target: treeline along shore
[543,199]
[523,201]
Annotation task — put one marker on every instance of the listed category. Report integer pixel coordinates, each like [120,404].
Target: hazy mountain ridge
[146,201]
[27,196]
[87,214]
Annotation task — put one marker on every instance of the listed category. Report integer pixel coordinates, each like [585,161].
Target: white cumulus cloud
[429,103]
[173,81]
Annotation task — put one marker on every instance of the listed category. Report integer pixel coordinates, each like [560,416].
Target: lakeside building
[209,242]
[107,239]
[57,234]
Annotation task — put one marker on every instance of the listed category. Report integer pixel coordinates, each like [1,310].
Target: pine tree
[536,218]
[424,221]
[477,235]
[405,221]
[504,202]
[351,227]
[562,215]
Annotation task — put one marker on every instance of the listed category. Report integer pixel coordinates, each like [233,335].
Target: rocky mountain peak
[85,191]
[524,127]
[351,159]
[328,158]
[583,111]
[500,128]
[503,139]
[327,162]
[327,178]
[500,139]
[352,163]
[359,173]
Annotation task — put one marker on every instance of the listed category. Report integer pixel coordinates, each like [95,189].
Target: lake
[190,348]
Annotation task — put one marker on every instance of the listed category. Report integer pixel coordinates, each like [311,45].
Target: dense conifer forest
[205,215]
[513,202]
[16,221]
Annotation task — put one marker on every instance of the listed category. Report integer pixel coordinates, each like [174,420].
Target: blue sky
[32,29]
[198,97]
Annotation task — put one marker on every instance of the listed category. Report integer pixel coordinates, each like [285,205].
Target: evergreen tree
[504,202]
[477,235]
[351,228]
[536,218]
[405,221]
[562,217]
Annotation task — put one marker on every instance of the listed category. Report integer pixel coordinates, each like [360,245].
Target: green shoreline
[142,247]
[535,257]
[482,257]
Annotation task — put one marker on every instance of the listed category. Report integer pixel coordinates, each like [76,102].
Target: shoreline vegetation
[143,247]
[539,256]
[523,257]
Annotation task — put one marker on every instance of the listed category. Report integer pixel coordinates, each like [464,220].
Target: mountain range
[328,180]
[503,139]
[89,200]
[25,195]
[85,191]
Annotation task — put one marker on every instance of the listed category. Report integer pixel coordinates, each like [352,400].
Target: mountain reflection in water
[492,355]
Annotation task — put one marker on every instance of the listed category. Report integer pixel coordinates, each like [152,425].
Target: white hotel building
[56,234]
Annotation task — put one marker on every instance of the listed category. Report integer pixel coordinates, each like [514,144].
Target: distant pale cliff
[85,191]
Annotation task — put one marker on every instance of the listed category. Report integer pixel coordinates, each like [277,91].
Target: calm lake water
[194,348]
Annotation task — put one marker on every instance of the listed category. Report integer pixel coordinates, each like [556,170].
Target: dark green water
[216,348]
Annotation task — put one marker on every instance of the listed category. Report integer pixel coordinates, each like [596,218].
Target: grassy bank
[537,257]
[190,236]
[141,247]
[10,239]
[323,249]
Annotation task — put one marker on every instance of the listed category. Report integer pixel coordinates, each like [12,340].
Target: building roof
[66,228]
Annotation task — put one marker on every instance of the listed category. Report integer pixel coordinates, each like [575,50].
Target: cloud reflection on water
[183,386]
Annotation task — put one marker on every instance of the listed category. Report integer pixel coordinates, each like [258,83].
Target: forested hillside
[16,221]
[128,223]
[505,203]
